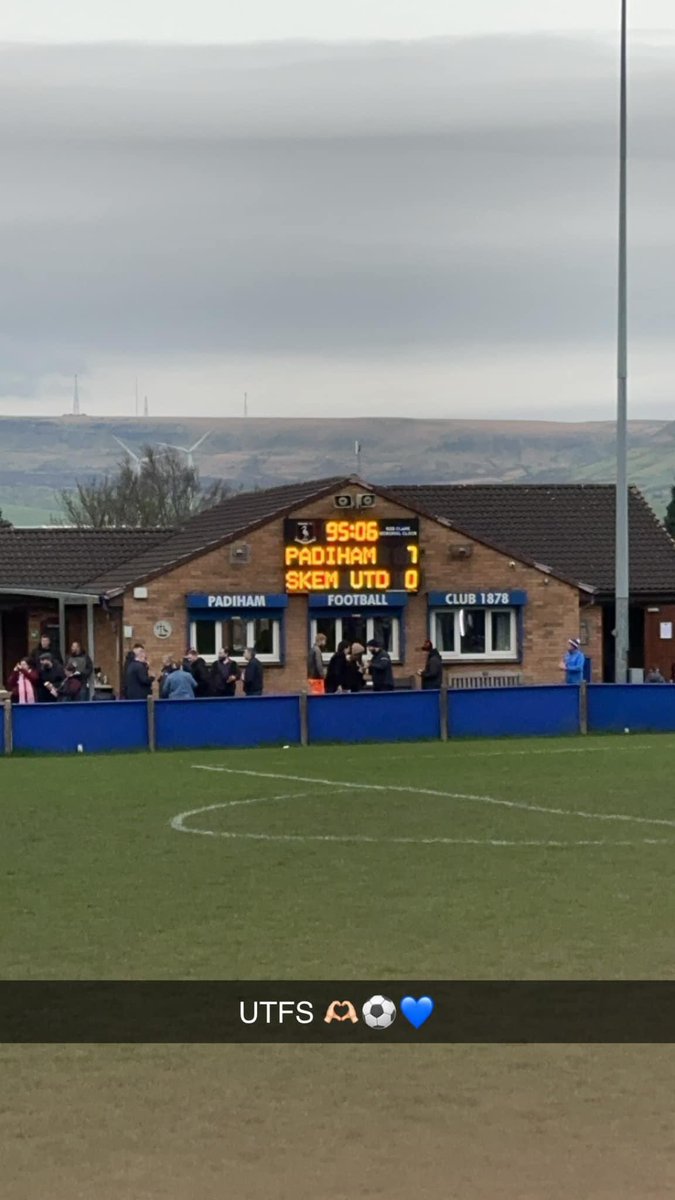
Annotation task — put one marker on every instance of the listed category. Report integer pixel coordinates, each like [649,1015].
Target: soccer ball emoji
[379,1012]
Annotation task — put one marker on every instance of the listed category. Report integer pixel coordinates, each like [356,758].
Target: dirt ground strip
[323,1123]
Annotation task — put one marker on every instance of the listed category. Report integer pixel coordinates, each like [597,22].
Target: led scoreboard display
[325,555]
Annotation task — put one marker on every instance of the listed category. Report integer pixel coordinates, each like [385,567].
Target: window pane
[205,637]
[355,629]
[473,640]
[445,632]
[328,626]
[383,630]
[262,632]
[501,631]
[234,636]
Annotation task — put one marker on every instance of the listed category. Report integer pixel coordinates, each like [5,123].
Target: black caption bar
[337,1011]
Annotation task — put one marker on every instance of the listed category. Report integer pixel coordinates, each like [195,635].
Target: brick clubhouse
[498,577]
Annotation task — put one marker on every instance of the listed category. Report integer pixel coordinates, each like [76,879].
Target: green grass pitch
[539,859]
[461,860]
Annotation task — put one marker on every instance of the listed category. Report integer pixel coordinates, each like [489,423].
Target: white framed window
[359,628]
[475,634]
[234,634]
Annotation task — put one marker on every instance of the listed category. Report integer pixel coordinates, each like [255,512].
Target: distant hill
[41,455]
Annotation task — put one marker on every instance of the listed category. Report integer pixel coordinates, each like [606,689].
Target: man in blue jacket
[573,662]
[178,684]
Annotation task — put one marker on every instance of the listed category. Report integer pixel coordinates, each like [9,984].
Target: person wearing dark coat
[129,657]
[253,674]
[138,681]
[336,672]
[380,668]
[431,673]
[224,675]
[72,688]
[45,647]
[195,664]
[84,667]
[50,678]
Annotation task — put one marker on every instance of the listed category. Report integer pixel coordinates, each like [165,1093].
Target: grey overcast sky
[358,222]
[208,21]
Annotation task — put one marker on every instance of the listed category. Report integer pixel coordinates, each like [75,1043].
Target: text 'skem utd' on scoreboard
[352,555]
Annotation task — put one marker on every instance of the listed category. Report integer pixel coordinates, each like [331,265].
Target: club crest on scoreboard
[305,533]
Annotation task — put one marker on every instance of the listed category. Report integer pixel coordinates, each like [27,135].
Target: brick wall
[551,615]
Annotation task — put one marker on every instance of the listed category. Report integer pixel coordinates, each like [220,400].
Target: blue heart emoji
[417,1011]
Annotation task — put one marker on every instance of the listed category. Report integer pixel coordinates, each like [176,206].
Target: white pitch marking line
[417,791]
[178,823]
[549,750]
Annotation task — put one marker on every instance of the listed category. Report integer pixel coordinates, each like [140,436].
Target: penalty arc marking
[179,822]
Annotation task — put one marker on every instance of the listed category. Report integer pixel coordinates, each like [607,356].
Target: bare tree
[157,490]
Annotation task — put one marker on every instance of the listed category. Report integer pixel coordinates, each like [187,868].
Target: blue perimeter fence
[309,720]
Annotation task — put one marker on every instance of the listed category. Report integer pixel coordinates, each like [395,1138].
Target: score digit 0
[412,579]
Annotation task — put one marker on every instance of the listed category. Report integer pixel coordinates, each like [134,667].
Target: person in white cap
[573,662]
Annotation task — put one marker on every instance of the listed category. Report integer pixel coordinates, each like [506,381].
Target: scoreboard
[369,555]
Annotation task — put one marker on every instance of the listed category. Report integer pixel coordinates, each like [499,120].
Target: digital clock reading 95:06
[352,556]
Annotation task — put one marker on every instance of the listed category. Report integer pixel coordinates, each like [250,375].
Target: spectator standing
[654,676]
[80,660]
[195,664]
[337,672]
[253,674]
[139,681]
[50,678]
[354,671]
[224,675]
[573,662]
[168,665]
[129,658]
[431,673]
[380,668]
[178,684]
[72,685]
[316,669]
[22,683]
[45,648]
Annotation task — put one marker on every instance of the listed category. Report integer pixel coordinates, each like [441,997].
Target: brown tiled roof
[567,527]
[224,522]
[61,559]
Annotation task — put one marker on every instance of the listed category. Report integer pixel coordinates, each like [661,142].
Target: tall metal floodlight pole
[621,548]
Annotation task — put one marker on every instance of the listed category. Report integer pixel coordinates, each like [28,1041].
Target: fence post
[583,707]
[443,709]
[304,723]
[152,740]
[9,732]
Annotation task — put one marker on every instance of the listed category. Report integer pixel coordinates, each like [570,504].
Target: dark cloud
[346,201]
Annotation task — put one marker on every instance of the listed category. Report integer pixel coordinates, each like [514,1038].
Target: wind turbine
[188,451]
[137,463]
